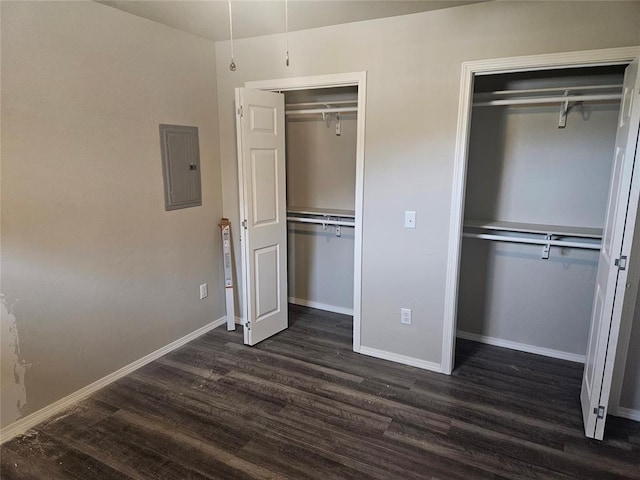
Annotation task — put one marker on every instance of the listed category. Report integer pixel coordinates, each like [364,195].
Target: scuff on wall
[13,395]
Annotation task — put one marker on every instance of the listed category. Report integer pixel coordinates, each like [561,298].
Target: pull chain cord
[286,29]
[232,65]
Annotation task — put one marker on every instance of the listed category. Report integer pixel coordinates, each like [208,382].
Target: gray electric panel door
[180,166]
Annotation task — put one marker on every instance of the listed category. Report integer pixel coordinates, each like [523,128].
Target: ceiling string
[286,29]
[232,65]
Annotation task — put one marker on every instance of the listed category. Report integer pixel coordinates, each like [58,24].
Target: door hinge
[621,262]
[240,111]
[599,411]
[244,224]
[248,325]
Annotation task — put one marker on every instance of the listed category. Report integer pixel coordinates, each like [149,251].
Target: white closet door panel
[262,177]
[611,277]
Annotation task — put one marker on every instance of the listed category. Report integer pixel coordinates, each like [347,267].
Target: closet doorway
[284,214]
[530,211]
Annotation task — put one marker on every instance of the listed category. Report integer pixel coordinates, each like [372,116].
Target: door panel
[264,182]
[261,168]
[611,280]
[267,279]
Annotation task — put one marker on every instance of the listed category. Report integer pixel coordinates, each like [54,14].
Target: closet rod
[311,111]
[549,90]
[533,241]
[558,99]
[321,221]
[326,104]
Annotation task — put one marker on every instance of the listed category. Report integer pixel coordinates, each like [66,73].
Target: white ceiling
[251,18]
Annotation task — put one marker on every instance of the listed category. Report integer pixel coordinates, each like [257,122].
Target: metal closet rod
[321,221]
[617,86]
[311,111]
[556,99]
[313,104]
[533,241]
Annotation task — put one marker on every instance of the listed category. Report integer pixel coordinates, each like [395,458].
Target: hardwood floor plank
[189,451]
[66,461]
[559,461]
[24,466]
[458,450]
[350,448]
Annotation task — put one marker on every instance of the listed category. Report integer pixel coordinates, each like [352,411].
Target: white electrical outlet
[203,291]
[409,219]
[405,316]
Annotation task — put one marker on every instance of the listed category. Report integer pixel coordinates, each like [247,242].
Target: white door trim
[358,79]
[588,58]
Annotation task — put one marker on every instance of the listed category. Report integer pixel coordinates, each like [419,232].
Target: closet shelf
[326,212]
[534,234]
[340,106]
[335,217]
[593,93]
[535,228]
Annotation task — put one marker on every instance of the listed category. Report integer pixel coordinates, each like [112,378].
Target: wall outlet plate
[409,219]
[405,316]
[204,292]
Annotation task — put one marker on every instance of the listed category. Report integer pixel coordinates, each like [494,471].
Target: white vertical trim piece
[394,357]
[457,219]
[242,212]
[358,79]
[589,58]
[359,208]
[30,421]
[321,306]
[522,347]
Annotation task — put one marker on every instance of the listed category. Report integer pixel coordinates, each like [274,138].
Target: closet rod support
[547,248]
[564,110]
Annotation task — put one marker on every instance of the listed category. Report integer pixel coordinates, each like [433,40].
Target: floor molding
[627,413]
[394,357]
[321,306]
[523,347]
[30,421]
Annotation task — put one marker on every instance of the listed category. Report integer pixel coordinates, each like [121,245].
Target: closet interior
[539,164]
[321,139]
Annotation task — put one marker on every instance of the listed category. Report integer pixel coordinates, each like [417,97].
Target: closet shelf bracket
[326,117]
[564,110]
[547,248]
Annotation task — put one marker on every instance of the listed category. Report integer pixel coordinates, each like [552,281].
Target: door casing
[359,80]
[589,58]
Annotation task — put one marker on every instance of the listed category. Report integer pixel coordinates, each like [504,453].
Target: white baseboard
[321,306]
[394,357]
[30,421]
[628,413]
[523,347]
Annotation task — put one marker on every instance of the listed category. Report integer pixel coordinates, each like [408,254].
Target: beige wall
[95,273]
[413,70]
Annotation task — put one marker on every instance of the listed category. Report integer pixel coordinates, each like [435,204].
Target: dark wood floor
[302,405]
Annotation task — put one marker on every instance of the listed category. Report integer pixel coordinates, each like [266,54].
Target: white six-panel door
[611,280]
[261,171]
